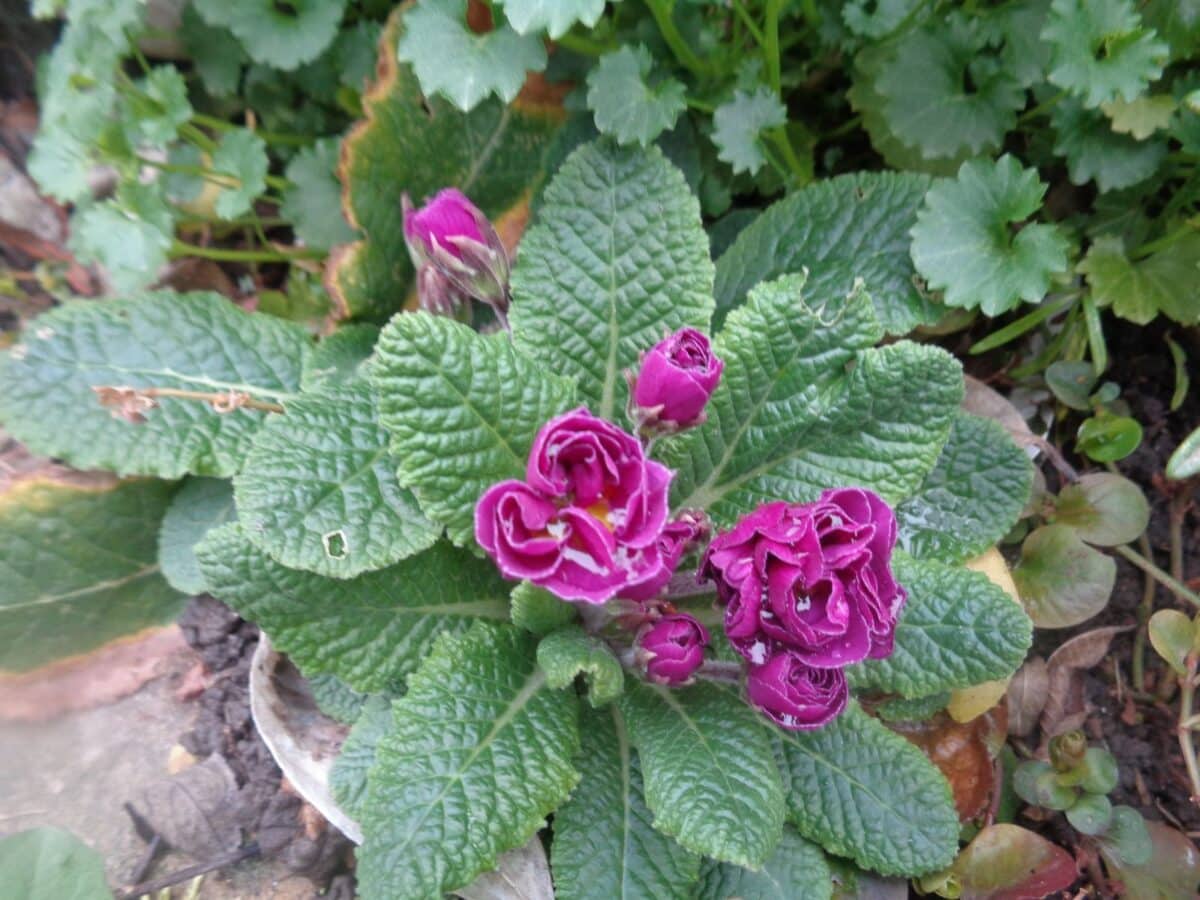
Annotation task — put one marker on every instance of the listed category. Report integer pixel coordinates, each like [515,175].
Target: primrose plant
[600,567]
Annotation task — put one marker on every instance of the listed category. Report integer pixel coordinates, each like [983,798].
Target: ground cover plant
[588,419]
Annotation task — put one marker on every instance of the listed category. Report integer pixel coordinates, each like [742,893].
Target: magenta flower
[587,521]
[794,695]
[677,377]
[444,222]
[677,538]
[672,648]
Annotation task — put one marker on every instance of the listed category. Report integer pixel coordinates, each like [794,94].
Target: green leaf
[536,609]
[313,204]
[710,779]
[1072,382]
[409,143]
[918,709]
[958,629]
[197,342]
[972,496]
[495,62]
[862,791]
[201,505]
[356,758]
[129,235]
[1101,50]
[78,564]
[370,631]
[797,868]
[789,420]
[963,245]
[242,157]
[1094,151]
[479,754]
[1163,282]
[617,259]
[463,410]
[1061,580]
[604,843]
[555,17]
[625,104]
[1107,438]
[336,360]
[284,36]
[162,106]
[1104,508]
[337,699]
[738,125]
[1141,117]
[1185,459]
[840,229]
[216,54]
[1173,635]
[51,864]
[876,19]
[571,652]
[318,490]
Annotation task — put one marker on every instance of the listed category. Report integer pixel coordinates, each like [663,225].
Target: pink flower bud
[440,222]
[672,648]
[796,696]
[677,377]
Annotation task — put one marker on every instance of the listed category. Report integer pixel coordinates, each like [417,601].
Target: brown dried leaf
[991,404]
[1065,707]
[196,811]
[1026,695]
[965,753]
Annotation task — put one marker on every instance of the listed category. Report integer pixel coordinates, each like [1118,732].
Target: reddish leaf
[1007,862]
[1173,870]
[965,753]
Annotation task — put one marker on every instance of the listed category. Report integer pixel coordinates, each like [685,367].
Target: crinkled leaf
[478,755]
[957,629]
[618,258]
[217,55]
[963,245]
[464,67]
[862,791]
[797,869]
[242,158]
[1104,509]
[710,779]
[971,497]
[370,631]
[336,360]
[1062,581]
[196,342]
[604,843]
[314,202]
[337,699]
[318,490]
[1164,282]
[129,235]
[571,652]
[738,125]
[789,420]
[284,35]
[161,107]
[626,105]
[1141,117]
[1094,151]
[917,709]
[463,410]
[78,564]
[356,758]
[1101,49]
[536,609]
[493,154]
[555,17]
[51,864]
[841,229]
[201,505]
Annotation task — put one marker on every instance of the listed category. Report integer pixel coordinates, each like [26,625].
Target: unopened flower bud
[672,648]
[676,378]
[1067,750]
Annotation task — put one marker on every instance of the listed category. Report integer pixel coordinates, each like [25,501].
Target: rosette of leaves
[355,480]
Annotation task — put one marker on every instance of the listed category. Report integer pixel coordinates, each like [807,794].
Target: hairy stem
[1144,612]
[1187,693]
[1175,586]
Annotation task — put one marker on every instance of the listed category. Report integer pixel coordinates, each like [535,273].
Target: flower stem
[223,254]
[661,10]
[1144,612]
[1187,693]
[770,44]
[1178,588]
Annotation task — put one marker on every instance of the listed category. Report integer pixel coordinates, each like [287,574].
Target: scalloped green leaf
[625,104]
[571,652]
[313,203]
[862,791]
[840,229]
[196,342]
[555,17]
[78,564]
[201,505]
[370,631]
[957,629]
[479,754]
[797,869]
[494,154]
[463,410]
[319,489]
[738,125]
[283,36]
[129,234]
[972,496]
[1094,151]
[710,779]
[1163,282]
[242,158]
[617,259]
[788,420]
[604,843]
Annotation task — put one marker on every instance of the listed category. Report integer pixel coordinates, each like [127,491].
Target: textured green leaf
[129,235]
[319,490]
[862,791]
[494,62]
[242,158]
[963,245]
[1101,50]
[604,844]
[788,420]
[337,358]
[570,652]
[50,864]
[1094,151]
[1164,282]
[617,259]
[796,871]
[196,342]
[284,36]
[463,410]
[479,754]
[494,154]
[313,203]
[971,497]
[337,699]
[78,564]
[738,125]
[918,709]
[625,104]
[201,505]
[840,229]
[957,629]
[536,609]
[161,107]
[370,631]
[710,779]
[555,17]
[348,778]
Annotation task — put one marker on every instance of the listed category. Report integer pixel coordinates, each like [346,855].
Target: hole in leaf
[286,8]
[336,546]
